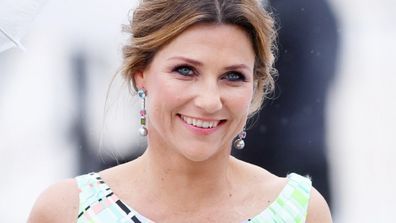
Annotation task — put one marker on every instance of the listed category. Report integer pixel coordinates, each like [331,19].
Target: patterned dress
[98,203]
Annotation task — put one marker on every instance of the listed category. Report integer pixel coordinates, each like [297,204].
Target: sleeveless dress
[98,203]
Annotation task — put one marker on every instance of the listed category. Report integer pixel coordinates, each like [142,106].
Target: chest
[98,203]
[226,213]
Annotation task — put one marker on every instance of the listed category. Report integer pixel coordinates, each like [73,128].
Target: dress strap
[291,205]
[92,191]
[99,204]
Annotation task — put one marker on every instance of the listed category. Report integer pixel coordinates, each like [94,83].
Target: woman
[201,68]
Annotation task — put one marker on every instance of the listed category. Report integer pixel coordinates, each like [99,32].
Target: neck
[173,176]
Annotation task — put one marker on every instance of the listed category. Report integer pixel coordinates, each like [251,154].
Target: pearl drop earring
[239,143]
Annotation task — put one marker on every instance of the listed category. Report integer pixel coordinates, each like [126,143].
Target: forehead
[226,41]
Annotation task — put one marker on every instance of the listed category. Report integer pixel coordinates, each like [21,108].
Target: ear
[138,78]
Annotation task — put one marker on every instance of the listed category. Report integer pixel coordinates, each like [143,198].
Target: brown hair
[156,22]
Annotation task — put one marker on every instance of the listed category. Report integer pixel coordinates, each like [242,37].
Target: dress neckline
[144,219]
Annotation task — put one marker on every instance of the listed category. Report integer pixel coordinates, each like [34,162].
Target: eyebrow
[198,63]
[188,60]
[238,66]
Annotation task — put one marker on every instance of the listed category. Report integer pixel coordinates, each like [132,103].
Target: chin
[197,158]
[198,154]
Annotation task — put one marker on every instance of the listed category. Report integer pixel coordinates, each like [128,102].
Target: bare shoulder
[263,185]
[318,210]
[269,186]
[58,203]
[258,175]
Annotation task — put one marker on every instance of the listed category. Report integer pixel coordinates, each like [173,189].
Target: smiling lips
[206,124]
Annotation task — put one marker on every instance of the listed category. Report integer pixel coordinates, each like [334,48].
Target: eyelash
[191,72]
[240,77]
[179,67]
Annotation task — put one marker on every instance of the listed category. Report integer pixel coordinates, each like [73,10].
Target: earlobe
[138,78]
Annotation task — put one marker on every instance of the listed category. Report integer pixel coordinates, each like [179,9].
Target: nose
[208,98]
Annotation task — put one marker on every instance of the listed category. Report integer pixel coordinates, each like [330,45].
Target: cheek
[163,97]
[240,101]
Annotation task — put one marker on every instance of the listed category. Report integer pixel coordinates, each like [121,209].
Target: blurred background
[64,111]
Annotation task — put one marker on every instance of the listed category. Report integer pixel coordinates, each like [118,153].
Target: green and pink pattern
[98,203]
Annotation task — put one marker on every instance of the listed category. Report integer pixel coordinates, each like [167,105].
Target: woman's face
[199,88]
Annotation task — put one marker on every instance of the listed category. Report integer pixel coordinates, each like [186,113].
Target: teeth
[200,123]
[189,121]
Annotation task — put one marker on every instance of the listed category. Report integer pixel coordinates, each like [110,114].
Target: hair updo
[156,22]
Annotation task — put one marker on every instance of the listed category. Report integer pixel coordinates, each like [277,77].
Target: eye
[184,70]
[234,76]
